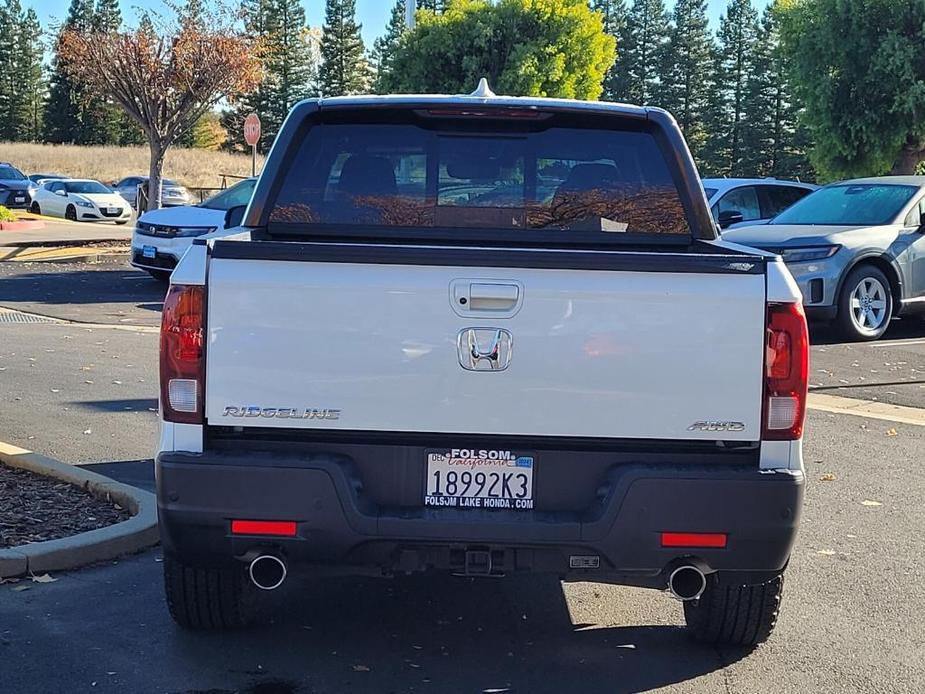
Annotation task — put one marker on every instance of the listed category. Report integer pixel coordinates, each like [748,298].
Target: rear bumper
[341,530]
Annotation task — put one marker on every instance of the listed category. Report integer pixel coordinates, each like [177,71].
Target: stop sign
[252,129]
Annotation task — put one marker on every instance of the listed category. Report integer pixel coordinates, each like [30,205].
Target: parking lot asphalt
[853,601]
[851,620]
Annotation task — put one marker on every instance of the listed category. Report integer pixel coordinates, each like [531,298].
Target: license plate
[487,479]
[112,210]
[20,198]
[149,252]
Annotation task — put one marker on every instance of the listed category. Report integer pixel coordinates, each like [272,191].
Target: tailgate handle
[492,297]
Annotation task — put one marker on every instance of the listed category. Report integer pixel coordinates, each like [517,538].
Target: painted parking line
[897,343]
[867,408]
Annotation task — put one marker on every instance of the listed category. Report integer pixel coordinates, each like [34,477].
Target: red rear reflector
[256,527]
[183,354]
[786,373]
[714,540]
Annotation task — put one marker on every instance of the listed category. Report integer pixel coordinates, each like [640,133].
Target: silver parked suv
[855,248]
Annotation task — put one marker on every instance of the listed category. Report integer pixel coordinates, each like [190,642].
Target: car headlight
[804,255]
[83,203]
[192,231]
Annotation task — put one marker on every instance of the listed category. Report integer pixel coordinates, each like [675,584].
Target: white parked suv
[738,201]
[162,236]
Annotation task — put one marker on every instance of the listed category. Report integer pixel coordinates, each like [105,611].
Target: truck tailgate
[643,353]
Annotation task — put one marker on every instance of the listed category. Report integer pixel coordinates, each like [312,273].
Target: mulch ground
[34,508]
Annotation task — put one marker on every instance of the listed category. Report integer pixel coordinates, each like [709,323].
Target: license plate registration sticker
[149,252]
[487,479]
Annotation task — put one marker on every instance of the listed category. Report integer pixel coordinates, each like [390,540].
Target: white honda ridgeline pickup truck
[481,336]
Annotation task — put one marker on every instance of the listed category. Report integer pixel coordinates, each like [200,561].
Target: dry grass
[195,168]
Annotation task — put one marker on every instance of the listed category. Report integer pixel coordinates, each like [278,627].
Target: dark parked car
[15,188]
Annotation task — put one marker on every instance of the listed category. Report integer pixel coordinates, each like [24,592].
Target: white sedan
[81,200]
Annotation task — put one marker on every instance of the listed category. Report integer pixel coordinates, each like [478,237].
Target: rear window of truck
[468,174]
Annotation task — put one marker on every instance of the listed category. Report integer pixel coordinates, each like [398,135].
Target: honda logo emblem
[484,349]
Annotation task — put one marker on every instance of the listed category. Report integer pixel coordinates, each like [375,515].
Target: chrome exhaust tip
[267,572]
[687,583]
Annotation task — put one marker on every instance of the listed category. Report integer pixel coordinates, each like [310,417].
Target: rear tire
[208,599]
[735,615]
[865,304]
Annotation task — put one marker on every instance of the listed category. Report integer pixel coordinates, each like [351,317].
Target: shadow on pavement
[121,405]
[137,473]
[910,328]
[69,286]
[449,634]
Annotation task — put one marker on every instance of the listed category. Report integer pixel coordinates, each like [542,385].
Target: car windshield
[710,192]
[455,175]
[850,204]
[238,194]
[86,187]
[11,173]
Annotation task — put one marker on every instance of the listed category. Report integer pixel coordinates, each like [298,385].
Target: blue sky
[373,14]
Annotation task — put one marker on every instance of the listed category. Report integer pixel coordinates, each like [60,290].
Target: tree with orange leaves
[165,77]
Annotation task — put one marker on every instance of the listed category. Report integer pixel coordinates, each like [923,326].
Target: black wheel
[865,305]
[120,222]
[35,209]
[71,213]
[208,599]
[160,275]
[735,615]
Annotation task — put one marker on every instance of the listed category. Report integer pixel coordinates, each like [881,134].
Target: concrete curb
[22,225]
[138,532]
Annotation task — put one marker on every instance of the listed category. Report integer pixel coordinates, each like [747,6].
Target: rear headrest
[364,174]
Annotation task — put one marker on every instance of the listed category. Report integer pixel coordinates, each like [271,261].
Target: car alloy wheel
[70,213]
[868,303]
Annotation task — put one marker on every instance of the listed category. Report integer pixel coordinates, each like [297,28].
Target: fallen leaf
[360,668]
[892,432]
[826,552]
[44,578]
[88,431]
[21,588]
[868,502]
[828,477]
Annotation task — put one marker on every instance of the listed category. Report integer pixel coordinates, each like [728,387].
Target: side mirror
[62,193]
[234,216]
[729,217]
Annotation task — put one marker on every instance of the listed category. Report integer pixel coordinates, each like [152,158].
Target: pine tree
[687,70]
[107,16]
[290,63]
[725,153]
[102,120]
[344,69]
[437,6]
[21,76]
[775,143]
[62,112]
[613,13]
[384,48]
[281,23]
[640,51]
[31,71]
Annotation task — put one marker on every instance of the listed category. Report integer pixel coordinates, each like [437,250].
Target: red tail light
[183,354]
[714,540]
[786,372]
[256,527]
